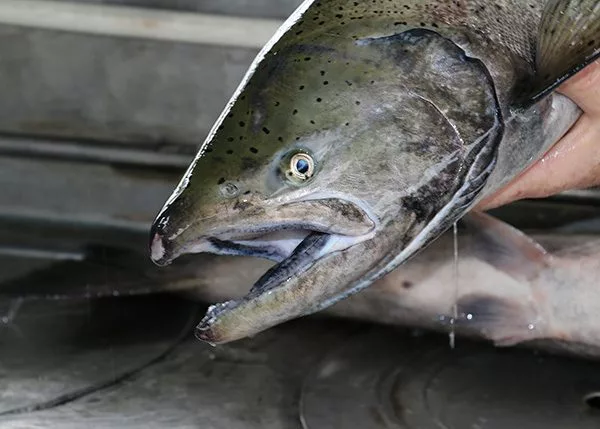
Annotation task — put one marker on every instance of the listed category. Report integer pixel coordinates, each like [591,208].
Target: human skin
[574,162]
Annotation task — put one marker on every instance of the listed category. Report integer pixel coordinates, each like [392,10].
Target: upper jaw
[274,246]
[271,234]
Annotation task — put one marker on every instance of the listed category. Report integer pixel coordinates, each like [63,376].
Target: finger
[578,150]
[584,89]
[573,163]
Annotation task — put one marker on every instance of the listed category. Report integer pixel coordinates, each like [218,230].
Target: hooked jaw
[327,245]
[419,170]
[326,249]
[322,270]
[284,234]
[245,228]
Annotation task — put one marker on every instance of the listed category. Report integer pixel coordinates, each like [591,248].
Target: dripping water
[8,318]
[455,299]
[11,314]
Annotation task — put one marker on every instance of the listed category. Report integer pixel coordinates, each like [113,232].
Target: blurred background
[103,104]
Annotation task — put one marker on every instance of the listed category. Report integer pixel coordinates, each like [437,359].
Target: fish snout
[158,250]
[167,234]
[198,226]
[160,246]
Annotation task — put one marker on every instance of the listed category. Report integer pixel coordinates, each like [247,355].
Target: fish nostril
[229,190]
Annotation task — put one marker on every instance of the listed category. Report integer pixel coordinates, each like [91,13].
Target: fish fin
[505,247]
[504,322]
[568,40]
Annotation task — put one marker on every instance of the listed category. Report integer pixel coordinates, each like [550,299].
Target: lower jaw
[304,255]
[309,251]
[301,250]
[284,292]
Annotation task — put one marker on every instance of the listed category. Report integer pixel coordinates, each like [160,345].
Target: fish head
[339,158]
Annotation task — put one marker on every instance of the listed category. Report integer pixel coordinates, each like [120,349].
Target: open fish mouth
[274,246]
[326,249]
[272,243]
[271,233]
[315,246]
[295,244]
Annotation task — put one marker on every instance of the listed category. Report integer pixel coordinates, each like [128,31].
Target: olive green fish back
[501,33]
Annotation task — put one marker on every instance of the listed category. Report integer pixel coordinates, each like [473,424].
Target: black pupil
[302,166]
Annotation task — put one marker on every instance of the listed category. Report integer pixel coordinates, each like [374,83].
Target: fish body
[507,287]
[361,133]
[511,288]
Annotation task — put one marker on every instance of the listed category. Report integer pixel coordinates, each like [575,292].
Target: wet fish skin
[507,282]
[413,112]
[511,289]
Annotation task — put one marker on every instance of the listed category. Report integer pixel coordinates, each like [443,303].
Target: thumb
[574,162]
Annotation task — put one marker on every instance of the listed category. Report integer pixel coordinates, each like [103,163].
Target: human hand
[573,162]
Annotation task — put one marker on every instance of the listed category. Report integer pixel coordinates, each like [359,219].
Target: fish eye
[302,166]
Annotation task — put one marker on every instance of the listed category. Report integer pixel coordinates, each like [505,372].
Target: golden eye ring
[302,166]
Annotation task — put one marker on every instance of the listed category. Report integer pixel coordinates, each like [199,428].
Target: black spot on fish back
[407,284]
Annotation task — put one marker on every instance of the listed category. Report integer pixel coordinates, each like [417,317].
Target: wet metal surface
[379,379]
[312,373]
[97,194]
[118,121]
[261,8]
[113,89]
[54,352]
[249,385]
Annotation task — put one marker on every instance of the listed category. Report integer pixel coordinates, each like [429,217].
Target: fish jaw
[251,226]
[323,270]
[401,152]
